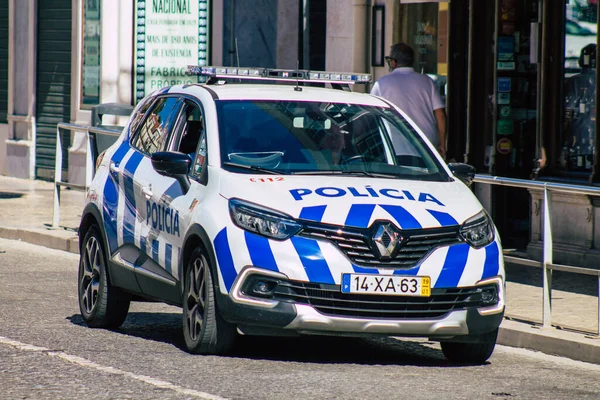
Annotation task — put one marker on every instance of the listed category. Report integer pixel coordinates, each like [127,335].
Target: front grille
[329,300]
[355,243]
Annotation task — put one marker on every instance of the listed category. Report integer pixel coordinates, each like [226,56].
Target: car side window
[154,131]
[139,115]
[190,137]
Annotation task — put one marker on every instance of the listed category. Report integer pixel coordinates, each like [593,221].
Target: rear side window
[154,131]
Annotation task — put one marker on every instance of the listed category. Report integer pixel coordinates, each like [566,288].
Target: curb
[553,341]
[65,241]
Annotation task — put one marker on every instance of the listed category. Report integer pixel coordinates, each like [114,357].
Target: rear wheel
[101,304]
[471,353]
[204,330]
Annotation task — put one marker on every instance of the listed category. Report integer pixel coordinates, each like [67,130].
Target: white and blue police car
[270,209]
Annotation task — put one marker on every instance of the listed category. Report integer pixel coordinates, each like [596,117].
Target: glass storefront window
[90,80]
[579,125]
[426,31]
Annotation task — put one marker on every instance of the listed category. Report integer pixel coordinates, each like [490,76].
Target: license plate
[392,285]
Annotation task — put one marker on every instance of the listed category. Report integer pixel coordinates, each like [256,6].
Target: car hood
[356,201]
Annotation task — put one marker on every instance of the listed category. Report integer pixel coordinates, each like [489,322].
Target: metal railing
[547,264]
[90,159]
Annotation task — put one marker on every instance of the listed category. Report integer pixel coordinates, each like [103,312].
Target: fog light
[264,288]
[484,296]
[488,297]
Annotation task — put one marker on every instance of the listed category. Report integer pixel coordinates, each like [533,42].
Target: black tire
[470,353]
[101,304]
[204,330]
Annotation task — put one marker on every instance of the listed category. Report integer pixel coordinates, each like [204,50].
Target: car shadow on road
[378,350]
[159,327]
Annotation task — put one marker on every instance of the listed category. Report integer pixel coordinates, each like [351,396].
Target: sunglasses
[388,60]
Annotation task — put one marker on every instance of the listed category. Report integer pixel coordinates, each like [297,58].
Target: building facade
[518,77]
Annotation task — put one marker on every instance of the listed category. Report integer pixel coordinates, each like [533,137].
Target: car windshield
[315,138]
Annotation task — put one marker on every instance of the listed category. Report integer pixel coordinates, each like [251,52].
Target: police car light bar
[286,75]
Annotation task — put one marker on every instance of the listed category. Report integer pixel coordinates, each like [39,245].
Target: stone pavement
[26,213]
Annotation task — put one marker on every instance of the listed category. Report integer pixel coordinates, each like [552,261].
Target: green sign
[170,35]
[91,54]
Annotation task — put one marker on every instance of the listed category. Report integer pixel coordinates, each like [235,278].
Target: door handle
[114,167]
[147,192]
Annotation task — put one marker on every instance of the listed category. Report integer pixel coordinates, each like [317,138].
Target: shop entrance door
[53,91]
[515,115]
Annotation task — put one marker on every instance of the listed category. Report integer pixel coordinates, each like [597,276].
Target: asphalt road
[46,352]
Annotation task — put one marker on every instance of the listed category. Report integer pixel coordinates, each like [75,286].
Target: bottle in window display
[589,158]
[580,94]
[573,155]
[580,155]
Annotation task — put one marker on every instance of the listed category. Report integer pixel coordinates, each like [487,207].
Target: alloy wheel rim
[90,277]
[196,298]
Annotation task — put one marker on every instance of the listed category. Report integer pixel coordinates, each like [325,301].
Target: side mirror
[464,172]
[174,165]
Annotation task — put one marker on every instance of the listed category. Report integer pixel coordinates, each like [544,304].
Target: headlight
[263,221]
[478,230]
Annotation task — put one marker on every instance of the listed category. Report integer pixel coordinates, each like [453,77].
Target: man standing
[415,94]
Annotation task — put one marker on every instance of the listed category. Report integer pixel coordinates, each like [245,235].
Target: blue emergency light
[286,75]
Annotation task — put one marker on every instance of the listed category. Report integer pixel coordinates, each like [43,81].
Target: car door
[171,208]
[141,222]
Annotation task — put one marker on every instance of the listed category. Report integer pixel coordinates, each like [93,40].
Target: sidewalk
[26,213]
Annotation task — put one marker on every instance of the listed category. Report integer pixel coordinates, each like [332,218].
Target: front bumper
[300,315]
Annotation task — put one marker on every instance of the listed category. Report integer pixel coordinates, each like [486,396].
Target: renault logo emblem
[386,238]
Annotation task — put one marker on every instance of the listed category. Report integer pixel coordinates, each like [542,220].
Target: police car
[270,209]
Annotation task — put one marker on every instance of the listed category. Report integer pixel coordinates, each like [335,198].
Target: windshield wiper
[346,172]
[252,168]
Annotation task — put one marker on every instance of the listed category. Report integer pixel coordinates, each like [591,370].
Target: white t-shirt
[416,95]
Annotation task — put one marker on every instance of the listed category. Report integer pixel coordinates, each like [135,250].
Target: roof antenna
[297,88]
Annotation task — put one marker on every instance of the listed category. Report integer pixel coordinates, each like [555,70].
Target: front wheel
[204,330]
[101,304]
[471,353]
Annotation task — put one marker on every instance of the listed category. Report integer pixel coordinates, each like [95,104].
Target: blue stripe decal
[411,272]
[130,206]
[360,215]
[314,213]
[110,200]
[174,191]
[120,153]
[224,258]
[362,270]
[109,213]
[312,259]
[403,217]
[168,255]
[155,250]
[454,265]
[143,245]
[491,265]
[260,251]
[443,218]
